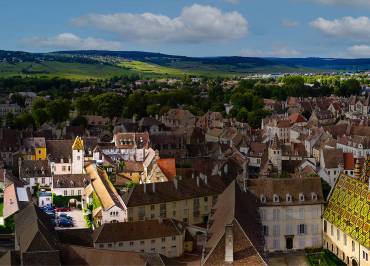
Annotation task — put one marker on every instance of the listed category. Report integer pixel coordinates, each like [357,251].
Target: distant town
[252,170]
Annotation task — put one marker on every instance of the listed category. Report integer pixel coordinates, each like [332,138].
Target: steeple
[366,171]
[78,144]
[275,143]
[357,169]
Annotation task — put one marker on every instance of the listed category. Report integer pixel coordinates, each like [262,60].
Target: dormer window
[276,198]
[71,183]
[301,197]
[313,196]
[288,198]
[263,199]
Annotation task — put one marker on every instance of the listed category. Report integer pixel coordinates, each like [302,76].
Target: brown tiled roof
[34,231]
[131,166]
[71,181]
[35,168]
[240,209]
[332,157]
[131,140]
[149,229]
[166,191]
[267,187]
[77,255]
[59,149]
[283,124]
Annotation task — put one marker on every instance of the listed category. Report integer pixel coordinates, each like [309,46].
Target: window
[276,244]
[313,196]
[301,213]
[72,192]
[205,199]
[120,244]
[331,230]
[325,226]
[109,245]
[78,158]
[152,207]
[263,199]
[101,245]
[152,241]
[288,198]
[276,214]
[214,200]
[142,242]
[63,168]
[276,230]
[302,229]
[173,238]
[265,230]
[163,239]
[289,229]
[276,198]
[365,256]
[345,239]
[79,192]
[301,197]
[353,246]
[131,243]
[65,192]
[338,234]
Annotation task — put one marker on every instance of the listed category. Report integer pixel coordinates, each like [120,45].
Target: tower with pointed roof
[357,171]
[275,154]
[365,177]
[78,156]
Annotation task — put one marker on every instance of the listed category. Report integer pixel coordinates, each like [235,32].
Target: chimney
[197,181]
[229,244]
[144,187]
[154,187]
[175,183]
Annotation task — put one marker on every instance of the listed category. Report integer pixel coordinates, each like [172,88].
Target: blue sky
[266,28]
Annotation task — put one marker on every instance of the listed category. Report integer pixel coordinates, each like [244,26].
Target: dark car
[65,216]
[50,214]
[63,222]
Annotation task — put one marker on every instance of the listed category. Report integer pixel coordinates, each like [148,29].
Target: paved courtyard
[77,217]
[291,259]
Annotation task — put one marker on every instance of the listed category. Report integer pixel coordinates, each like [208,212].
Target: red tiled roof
[349,161]
[168,167]
[296,118]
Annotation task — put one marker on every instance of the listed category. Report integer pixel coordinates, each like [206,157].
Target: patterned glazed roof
[349,208]
[78,144]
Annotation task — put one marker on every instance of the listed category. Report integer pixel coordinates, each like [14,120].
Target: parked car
[63,222]
[62,209]
[50,214]
[63,215]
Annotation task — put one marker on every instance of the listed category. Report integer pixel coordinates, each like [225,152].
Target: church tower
[78,158]
[275,154]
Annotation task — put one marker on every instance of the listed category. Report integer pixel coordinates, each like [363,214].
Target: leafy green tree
[58,110]
[79,121]
[84,105]
[40,116]
[109,105]
[18,99]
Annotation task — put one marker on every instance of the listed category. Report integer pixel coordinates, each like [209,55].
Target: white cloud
[234,2]
[288,23]
[71,41]
[347,27]
[195,24]
[359,51]
[276,52]
[344,2]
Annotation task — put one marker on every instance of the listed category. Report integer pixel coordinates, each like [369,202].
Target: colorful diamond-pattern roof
[349,208]
[78,144]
